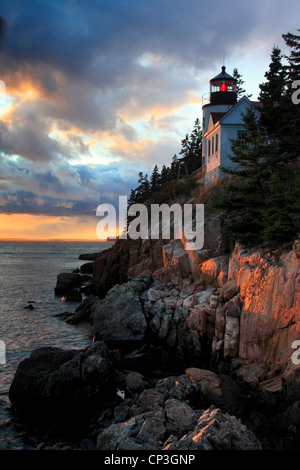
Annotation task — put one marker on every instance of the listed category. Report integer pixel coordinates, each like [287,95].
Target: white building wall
[214,160]
[206,111]
[228,132]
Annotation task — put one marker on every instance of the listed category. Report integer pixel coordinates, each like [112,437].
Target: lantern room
[223,89]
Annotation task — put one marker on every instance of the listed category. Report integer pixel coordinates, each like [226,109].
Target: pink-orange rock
[215,270]
[270,294]
[207,381]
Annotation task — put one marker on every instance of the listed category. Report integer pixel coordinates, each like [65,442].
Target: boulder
[73,295]
[118,319]
[208,383]
[84,311]
[216,430]
[214,271]
[57,383]
[67,281]
[180,417]
[87,268]
[89,256]
[174,254]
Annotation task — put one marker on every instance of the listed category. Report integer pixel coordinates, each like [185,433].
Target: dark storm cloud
[88,57]
[100,40]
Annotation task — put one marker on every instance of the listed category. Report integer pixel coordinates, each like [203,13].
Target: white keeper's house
[221,122]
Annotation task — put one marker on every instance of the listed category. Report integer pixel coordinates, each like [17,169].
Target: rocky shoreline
[191,351]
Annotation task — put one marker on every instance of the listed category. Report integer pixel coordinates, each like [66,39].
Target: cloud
[97,81]
[62,190]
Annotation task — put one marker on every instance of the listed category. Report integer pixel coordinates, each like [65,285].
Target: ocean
[28,274]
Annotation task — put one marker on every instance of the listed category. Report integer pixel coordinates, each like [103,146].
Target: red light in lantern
[223,87]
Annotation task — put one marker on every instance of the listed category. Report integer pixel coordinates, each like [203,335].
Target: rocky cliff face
[228,320]
[242,310]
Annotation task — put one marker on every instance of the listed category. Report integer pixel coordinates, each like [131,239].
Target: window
[242,136]
[217,142]
[212,145]
[209,144]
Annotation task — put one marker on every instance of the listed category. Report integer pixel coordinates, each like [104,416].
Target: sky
[95,91]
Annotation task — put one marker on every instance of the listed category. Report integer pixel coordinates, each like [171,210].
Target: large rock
[216,430]
[208,383]
[124,261]
[118,319]
[56,383]
[171,424]
[67,281]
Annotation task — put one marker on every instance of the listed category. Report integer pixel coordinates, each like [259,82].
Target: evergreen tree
[291,132]
[262,199]
[281,213]
[240,90]
[164,175]
[174,168]
[191,148]
[244,199]
[155,180]
[293,41]
[272,98]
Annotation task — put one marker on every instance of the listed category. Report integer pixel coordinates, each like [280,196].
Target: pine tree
[281,213]
[155,180]
[164,175]
[291,132]
[174,168]
[293,41]
[244,199]
[272,97]
[191,148]
[240,90]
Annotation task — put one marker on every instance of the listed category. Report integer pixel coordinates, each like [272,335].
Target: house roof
[231,110]
[221,118]
[216,117]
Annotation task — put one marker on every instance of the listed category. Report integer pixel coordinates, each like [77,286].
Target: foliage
[261,201]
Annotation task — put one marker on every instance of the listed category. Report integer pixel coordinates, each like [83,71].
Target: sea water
[28,272]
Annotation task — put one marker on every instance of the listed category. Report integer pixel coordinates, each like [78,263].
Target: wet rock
[67,281]
[89,256]
[73,295]
[84,311]
[29,307]
[87,268]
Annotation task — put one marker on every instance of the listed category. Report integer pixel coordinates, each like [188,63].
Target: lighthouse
[222,97]
[222,122]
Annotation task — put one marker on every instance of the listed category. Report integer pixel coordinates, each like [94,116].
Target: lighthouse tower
[222,97]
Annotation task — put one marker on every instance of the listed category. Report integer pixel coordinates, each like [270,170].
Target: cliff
[239,311]
[192,350]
